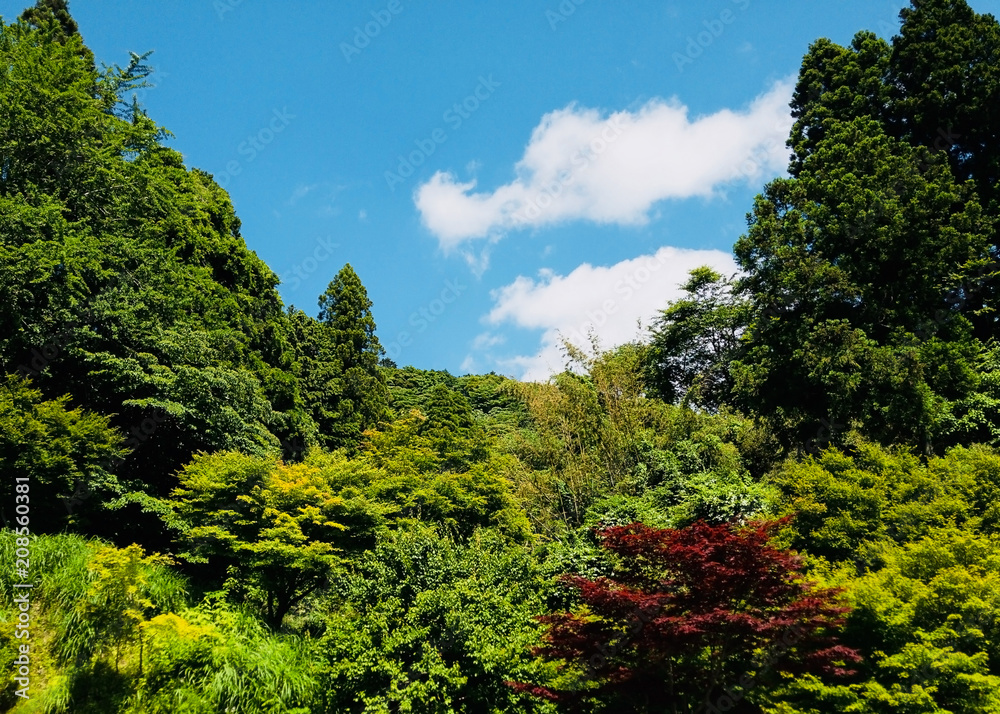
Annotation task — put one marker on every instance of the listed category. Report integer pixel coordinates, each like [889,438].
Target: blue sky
[498,174]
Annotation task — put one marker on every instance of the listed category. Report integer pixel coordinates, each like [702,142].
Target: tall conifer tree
[354,395]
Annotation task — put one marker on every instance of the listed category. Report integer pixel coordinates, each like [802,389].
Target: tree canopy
[784,500]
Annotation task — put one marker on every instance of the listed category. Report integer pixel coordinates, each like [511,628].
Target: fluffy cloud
[581,164]
[615,302]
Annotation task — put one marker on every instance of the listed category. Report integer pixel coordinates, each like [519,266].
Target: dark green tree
[936,85]
[46,11]
[53,459]
[124,280]
[853,268]
[694,341]
[346,388]
[945,88]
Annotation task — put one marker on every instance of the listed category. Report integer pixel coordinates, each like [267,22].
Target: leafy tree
[56,14]
[439,476]
[492,398]
[409,387]
[926,620]
[934,86]
[451,426]
[57,454]
[596,444]
[431,625]
[115,604]
[837,84]
[945,86]
[124,280]
[271,525]
[693,619]
[847,501]
[695,339]
[891,166]
[975,419]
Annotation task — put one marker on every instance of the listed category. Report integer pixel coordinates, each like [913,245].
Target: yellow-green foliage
[274,524]
[448,478]
[915,543]
[213,659]
[927,618]
[596,434]
[842,501]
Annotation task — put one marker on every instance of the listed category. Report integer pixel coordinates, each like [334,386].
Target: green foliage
[339,354]
[928,620]
[123,277]
[890,167]
[825,248]
[598,448]
[213,659]
[46,11]
[845,501]
[398,530]
[87,606]
[271,525]
[695,339]
[429,625]
[428,472]
[59,451]
[493,398]
[975,419]
[110,603]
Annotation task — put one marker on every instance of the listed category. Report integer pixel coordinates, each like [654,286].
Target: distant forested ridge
[785,501]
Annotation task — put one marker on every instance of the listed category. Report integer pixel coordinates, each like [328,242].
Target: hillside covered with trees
[785,501]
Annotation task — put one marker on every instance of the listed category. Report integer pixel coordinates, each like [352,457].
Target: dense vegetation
[787,501]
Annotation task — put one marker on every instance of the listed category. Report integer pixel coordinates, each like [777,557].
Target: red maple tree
[694,620]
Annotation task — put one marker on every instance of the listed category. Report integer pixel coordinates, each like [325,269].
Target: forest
[785,500]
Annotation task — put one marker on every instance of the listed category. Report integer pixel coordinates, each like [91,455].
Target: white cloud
[487,340]
[468,365]
[582,165]
[612,301]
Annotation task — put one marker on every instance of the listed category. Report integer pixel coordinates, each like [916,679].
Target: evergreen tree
[45,11]
[855,270]
[937,86]
[340,354]
[872,271]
